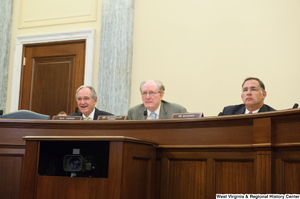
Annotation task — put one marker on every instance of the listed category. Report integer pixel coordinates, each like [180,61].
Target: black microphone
[76,110]
[295,105]
[1,113]
[145,113]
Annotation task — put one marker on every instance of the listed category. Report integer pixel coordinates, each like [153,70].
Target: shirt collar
[247,111]
[91,116]
[156,111]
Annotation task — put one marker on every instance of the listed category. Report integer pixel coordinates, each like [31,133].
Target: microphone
[295,105]
[76,110]
[145,113]
[1,113]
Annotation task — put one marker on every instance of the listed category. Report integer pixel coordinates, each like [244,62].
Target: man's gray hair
[93,91]
[160,86]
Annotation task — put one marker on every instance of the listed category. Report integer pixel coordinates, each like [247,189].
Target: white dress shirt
[156,111]
[91,116]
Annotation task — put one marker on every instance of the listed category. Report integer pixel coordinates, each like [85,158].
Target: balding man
[86,98]
[153,106]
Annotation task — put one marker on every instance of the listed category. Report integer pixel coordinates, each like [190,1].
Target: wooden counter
[196,158]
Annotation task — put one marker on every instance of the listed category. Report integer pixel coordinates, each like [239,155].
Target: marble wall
[115,59]
[6,10]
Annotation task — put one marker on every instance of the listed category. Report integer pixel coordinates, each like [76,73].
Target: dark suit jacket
[166,111]
[240,109]
[97,113]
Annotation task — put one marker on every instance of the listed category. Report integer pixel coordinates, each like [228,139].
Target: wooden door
[50,75]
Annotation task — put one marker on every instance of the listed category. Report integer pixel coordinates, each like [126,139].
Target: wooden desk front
[196,158]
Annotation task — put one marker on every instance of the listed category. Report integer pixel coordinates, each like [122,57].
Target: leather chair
[26,114]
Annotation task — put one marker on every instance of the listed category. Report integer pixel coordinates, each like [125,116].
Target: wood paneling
[28,185]
[10,173]
[56,77]
[187,175]
[287,170]
[139,171]
[51,75]
[158,178]
[196,158]
[115,170]
[291,176]
[264,172]
[50,187]
[235,176]
[131,169]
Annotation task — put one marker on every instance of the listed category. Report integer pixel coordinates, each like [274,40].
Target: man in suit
[253,96]
[153,106]
[86,98]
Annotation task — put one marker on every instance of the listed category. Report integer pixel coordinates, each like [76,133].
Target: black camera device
[77,163]
[74,159]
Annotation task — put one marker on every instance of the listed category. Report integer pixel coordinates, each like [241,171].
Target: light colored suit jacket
[166,111]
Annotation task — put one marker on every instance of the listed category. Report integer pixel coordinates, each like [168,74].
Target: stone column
[6,10]
[115,59]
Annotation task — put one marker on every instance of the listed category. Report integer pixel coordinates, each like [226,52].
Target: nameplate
[112,117]
[186,115]
[67,118]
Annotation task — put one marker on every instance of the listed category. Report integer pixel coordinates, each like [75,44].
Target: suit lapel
[262,109]
[96,114]
[141,114]
[163,112]
[241,110]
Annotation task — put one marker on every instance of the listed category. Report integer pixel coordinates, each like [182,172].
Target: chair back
[26,114]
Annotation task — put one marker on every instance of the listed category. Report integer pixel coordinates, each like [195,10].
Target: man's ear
[264,93]
[161,95]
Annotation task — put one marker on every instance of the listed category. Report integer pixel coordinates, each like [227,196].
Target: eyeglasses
[85,99]
[151,94]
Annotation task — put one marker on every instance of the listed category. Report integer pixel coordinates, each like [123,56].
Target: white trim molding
[50,37]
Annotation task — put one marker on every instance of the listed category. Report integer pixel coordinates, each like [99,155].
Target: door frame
[88,35]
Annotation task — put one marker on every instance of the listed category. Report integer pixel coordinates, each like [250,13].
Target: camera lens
[75,163]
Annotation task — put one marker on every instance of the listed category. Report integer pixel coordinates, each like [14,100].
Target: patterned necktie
[86,118]
[250,112]
[153,115]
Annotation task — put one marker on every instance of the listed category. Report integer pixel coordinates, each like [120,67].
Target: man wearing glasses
[86,98]
[153,106]
[253,96]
